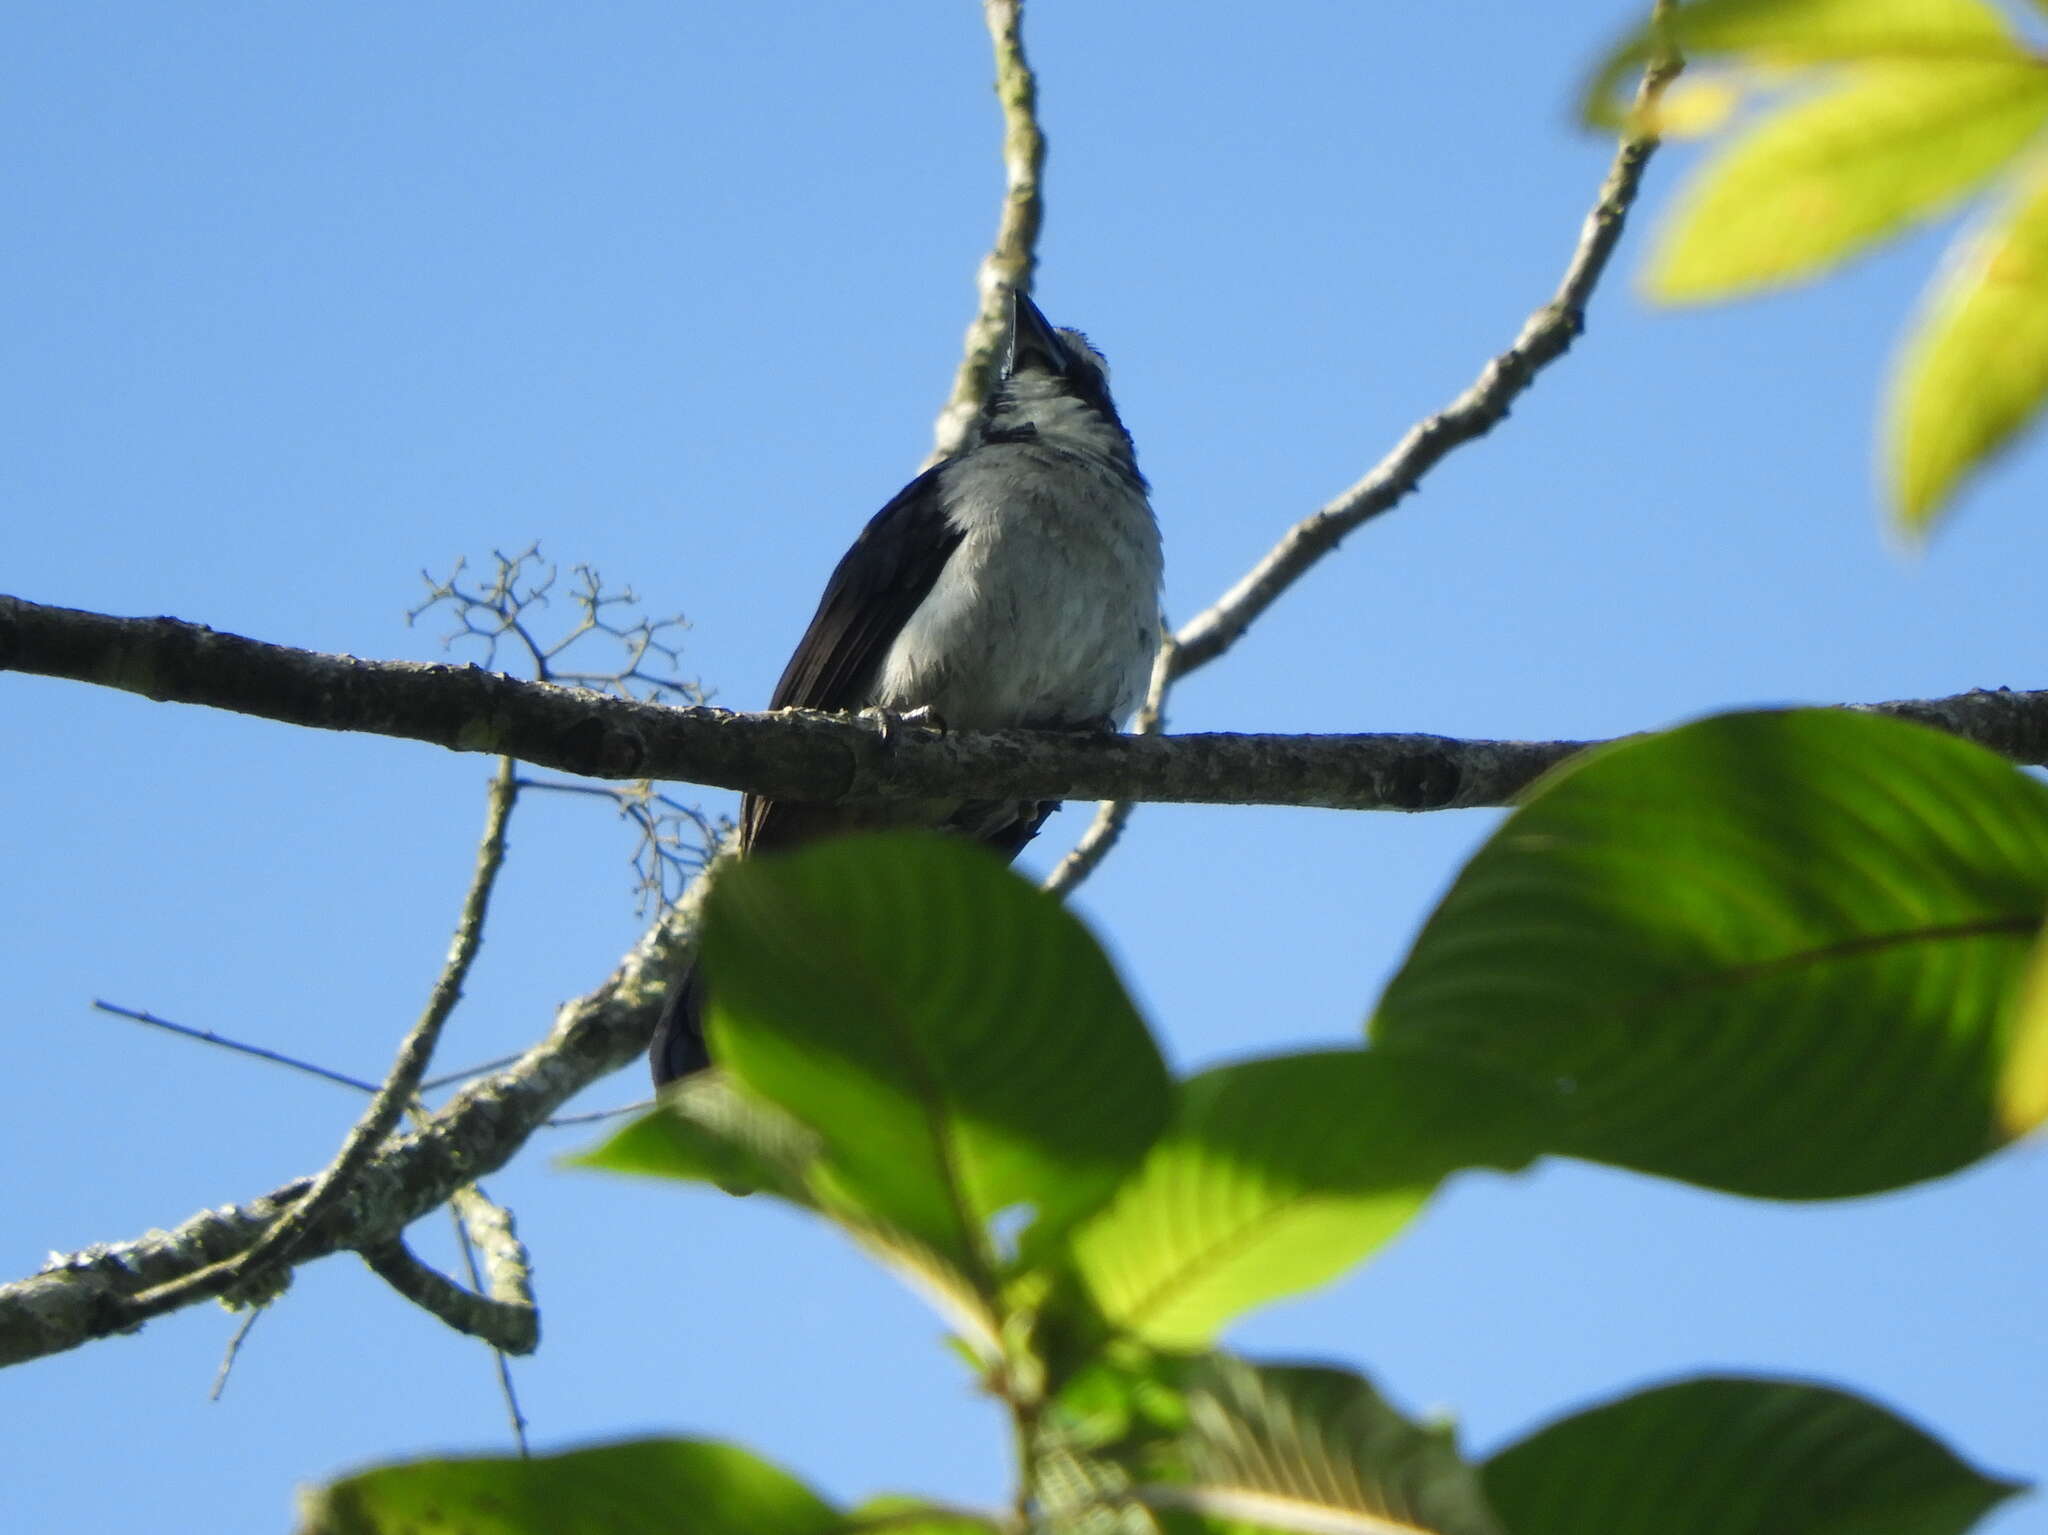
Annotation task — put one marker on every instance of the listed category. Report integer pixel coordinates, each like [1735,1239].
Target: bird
[1013,584]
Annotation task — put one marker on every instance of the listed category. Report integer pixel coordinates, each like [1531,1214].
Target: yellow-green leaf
[1823,179]
[1797,32]
[2023,1087]
[1975,368]
[1277,1175]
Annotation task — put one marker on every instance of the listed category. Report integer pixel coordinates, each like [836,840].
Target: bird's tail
[678,1049]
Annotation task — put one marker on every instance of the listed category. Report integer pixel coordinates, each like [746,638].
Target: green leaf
[615,1489]
[1769,953]
[957,1040]
[1279,1174]
[2023,1089]
[1728,1456]
[1281,1448]
[1078,1493]
[1777,33]
[914,1516]
[1818,181]
[707,1131]
[1975,368]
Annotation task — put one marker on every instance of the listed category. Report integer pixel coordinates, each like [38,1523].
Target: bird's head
[1054,386]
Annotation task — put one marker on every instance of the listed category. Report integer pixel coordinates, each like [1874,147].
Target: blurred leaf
[1126,1395]
[957,1039]
[1698,103]
[615,1489]
[914,1516]
[1078,1493]
[2023,1092]
[1975,368]
[1769,953]
[1285,1448]
[1825,178]
[706,1131]
[1774,33]
[1728,1456]
[1279,1174]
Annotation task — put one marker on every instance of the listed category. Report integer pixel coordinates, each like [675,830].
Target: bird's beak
[1033,343]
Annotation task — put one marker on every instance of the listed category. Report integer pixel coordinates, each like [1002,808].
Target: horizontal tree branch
[91,1294]
[801,755]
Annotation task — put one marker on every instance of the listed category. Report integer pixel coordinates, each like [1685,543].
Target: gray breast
[1047,614]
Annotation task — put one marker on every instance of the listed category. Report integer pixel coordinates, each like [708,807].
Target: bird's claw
[1100,727]
[888,721]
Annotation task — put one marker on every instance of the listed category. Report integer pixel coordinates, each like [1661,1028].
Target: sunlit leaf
[616,1489]
[2023,1091]
[708,1130]
[1728,1456]
[1277,1175]
[1975,367]
[1823,179]
[1698,104]
[1303,1448]
[914,1516]
[1078,1493]
[1769,953]
[1776,33]
[958,1041]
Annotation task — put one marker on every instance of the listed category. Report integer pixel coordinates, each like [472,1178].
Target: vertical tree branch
[1014,256]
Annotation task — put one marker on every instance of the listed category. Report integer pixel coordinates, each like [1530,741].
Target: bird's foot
[1102,725]
[888,721]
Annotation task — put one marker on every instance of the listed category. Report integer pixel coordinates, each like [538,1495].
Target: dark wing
[889,570]
[877,586]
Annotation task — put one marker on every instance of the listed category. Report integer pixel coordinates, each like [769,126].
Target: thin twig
[499,1358]
[311,1068]
[499,1219]
[225,1043]
[1545,337]
[77,1297]
[561,1121]
[450,1078]
[297,1063]
[392,1099]
[1112,815]
[1011,260]
[234,1351]
[663,847]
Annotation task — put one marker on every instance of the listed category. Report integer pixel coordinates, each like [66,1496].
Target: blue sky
[301,301]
